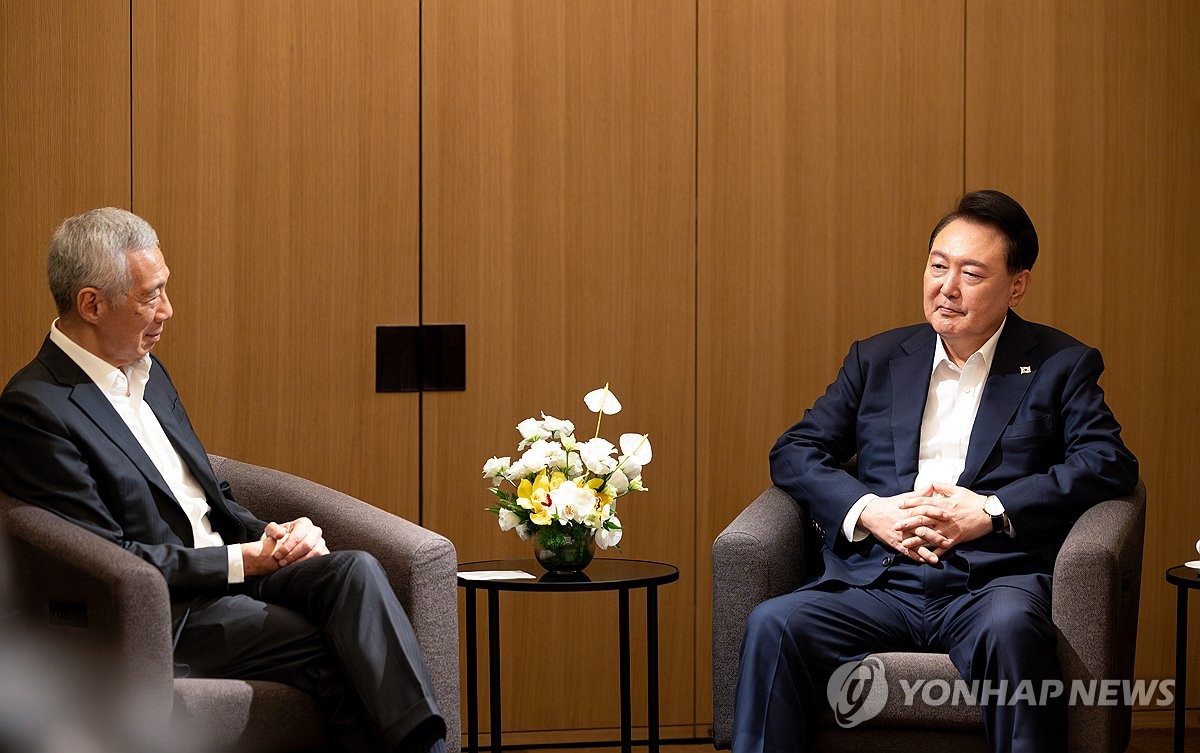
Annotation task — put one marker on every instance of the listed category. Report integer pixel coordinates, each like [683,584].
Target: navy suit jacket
[65,448]
[1044,442]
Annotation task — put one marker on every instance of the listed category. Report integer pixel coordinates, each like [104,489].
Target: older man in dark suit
[979,439]
[94,430]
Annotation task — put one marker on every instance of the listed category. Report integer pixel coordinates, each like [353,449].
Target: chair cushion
[249,715]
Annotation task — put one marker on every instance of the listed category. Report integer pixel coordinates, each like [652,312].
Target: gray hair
[90,250]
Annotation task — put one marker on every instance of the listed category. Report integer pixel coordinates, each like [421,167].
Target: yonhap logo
[857,691]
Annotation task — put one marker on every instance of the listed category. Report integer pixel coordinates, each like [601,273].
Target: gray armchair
[1097,579]
[76,585]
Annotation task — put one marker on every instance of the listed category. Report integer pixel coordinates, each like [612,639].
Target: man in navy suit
[94,430]
[978,438]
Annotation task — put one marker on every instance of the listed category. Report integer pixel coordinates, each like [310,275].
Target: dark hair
[1002,212]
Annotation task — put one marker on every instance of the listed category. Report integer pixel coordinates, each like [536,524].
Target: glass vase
[563,550]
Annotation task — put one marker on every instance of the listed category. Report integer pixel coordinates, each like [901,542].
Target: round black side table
[1184,579]
[603,574]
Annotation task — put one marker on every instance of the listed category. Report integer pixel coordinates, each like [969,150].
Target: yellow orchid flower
[602,499]
[535,497]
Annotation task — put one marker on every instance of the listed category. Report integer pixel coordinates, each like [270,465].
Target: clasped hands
[926,523]
[281,545]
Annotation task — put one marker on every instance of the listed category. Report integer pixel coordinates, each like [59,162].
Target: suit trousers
[331,626]
[1000,633]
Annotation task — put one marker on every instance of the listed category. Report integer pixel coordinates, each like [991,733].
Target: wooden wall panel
[558,198]
[276,151]
[830,142]
[1087,111]
[64,144]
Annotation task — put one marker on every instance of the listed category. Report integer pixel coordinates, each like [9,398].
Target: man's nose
[950,285]
[165,311]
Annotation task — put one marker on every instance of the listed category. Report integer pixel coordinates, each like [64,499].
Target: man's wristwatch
[995,510]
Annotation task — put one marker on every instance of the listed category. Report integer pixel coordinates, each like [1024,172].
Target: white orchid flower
[602,401]
[508,519]
[606,538]
[572,502]
[596,454]
[636,447]
[496,469]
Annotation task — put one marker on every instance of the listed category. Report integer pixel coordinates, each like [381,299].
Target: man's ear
[1020,285]
[90,303]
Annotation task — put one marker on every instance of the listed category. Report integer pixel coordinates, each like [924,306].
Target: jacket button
[887,561]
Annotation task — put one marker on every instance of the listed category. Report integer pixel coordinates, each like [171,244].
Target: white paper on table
[495,575]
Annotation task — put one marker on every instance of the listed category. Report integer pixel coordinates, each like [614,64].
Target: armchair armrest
[95,595]
[758,556]
[421,565]
[1097,581]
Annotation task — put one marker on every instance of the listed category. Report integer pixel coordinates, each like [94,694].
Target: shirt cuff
[850,527]
[237,570]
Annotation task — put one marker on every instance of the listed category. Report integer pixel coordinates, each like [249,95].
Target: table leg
[494,664]
[472,677]
[652,667]
[626,704]
[1181,637]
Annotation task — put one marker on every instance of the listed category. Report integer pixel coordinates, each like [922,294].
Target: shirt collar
[110,379]
[986,352]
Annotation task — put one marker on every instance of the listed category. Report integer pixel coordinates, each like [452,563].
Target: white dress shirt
[950,410]
[125,389]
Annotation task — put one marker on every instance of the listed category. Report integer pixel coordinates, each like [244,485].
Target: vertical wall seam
[963,188]
[131,118]
[421,249]
[696,524]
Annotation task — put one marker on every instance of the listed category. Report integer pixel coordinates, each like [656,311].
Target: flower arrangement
[567,488]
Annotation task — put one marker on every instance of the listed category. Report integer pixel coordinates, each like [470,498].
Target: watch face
[993,507]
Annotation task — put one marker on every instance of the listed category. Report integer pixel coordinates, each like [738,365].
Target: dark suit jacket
[1044,441]
[65,448]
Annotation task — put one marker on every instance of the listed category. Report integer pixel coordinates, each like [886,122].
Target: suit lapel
[910,387]
[1013,370]
[161,397]
[92,402]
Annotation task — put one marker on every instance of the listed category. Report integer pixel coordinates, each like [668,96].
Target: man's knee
[353,564]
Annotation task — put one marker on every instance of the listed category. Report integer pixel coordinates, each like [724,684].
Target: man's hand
[295,541]
[257,557]
[950,516]
[883,516]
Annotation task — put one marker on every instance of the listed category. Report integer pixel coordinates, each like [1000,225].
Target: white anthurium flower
[606,538]
[556,428]
[572,502]
[531,431]
[596,454]
[636,447]
[618,484]
[508,519]
[496,469]
[602,401]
